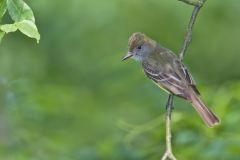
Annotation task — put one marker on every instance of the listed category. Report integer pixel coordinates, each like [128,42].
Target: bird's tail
[206,114]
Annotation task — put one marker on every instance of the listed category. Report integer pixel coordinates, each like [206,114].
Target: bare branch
[169,107]
[188,37]
[190,2]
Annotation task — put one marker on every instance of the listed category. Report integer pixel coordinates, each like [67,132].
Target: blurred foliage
[71,97]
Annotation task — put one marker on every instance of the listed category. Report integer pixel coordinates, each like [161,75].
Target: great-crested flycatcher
[167,71]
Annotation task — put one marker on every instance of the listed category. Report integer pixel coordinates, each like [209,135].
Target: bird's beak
[128,55]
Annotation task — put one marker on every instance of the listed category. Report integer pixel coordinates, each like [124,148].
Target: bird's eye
[139,47]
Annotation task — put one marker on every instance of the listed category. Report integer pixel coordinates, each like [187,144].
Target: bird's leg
[170,103]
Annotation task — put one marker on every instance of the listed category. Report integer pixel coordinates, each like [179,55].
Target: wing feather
[187,75]
[168,81]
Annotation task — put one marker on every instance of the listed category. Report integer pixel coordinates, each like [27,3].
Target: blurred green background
[72,98]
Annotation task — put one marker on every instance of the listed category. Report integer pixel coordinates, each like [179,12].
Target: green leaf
[28,28]
[22,14]
[1,36]
[3,8]
[8,28]
[19,10]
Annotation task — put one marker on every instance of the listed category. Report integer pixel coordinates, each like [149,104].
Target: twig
[193,3]
[188,36]
[169,106]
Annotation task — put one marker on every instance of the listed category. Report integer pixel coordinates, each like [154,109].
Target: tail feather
[206,114]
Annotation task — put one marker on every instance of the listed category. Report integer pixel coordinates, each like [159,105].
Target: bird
[168,72]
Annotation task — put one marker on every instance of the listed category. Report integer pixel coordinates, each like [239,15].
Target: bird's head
[139,46]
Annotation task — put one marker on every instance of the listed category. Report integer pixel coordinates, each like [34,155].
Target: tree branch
[193,3]
[169,106]
[188,36]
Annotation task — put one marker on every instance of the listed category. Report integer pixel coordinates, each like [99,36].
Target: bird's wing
[168,81]
[187,75]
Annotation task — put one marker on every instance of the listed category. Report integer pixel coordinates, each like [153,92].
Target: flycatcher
[168,72]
